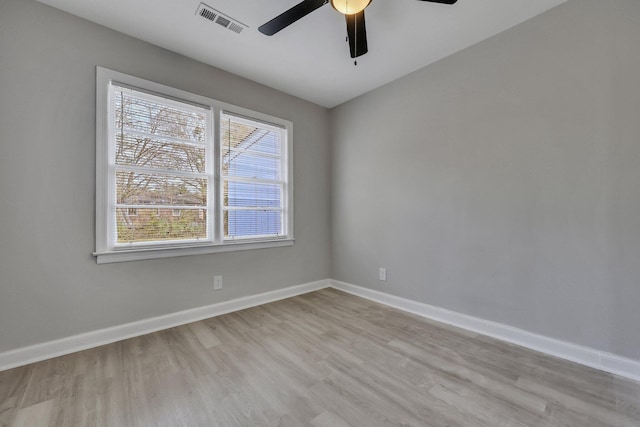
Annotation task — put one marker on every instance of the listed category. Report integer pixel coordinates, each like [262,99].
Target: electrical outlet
[217,283]
[383,274]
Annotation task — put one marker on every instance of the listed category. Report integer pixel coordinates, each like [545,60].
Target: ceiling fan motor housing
[353,10]
[350,7]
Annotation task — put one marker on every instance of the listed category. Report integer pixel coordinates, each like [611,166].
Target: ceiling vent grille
[207,13]
[235,27]
[213,15]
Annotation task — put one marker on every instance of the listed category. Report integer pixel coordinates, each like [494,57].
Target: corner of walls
[601,360]
[586,356]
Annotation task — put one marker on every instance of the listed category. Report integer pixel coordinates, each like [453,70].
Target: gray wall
[50,285]
[501,182]
[504,181]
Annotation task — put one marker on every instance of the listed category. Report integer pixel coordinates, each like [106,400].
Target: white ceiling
[310,59]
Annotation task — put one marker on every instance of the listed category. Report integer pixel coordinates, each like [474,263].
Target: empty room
[280,213]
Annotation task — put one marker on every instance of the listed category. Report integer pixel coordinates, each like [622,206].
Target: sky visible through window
[252,174]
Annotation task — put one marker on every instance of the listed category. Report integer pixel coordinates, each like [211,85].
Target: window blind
[252,178]
[179,173]
[160,163]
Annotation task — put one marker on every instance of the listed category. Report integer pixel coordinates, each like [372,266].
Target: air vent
[207,14]
[235,27]
[223,21]
[213,15]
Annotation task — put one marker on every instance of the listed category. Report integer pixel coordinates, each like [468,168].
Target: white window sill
[137,254]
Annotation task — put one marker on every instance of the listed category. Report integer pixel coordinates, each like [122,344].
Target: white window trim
[106,252]
[284,166]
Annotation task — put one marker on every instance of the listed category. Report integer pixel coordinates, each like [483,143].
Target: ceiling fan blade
[357,34]
[290,16]
[441,1]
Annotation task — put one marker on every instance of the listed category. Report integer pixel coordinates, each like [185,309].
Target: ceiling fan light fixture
[350,7]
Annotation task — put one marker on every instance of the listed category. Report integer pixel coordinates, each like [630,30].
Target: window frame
[106,250]
[284,167]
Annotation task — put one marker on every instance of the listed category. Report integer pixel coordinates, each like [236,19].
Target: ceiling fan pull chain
[355,27]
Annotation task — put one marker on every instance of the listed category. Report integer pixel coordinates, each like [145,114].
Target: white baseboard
[597,359]
[60,347]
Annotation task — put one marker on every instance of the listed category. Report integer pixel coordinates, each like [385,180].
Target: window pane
[138,113]
[155,189]
[250,165]
[246,223]
[252,195]
[236,134]
[159,225]
[251,153]
[135,150]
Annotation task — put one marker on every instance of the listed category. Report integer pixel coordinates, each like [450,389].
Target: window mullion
[287,177]
[253,180]
[164,207]
[158,171]
[250,208]
[111,197]
[164,138]
[216,193]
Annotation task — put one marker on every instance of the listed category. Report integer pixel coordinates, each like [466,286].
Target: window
[253,183]
[180,174]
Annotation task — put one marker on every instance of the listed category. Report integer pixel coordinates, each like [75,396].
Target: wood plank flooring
[322,359]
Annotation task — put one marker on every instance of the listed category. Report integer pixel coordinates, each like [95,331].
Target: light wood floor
[321,359]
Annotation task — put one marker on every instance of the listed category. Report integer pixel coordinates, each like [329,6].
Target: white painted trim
[142,253]
[107,250]
[587,356]
[47,350]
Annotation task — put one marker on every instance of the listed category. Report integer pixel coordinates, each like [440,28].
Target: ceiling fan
[353,10]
